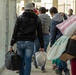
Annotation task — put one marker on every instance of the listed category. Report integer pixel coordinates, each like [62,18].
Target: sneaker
[67,73]
[58,72]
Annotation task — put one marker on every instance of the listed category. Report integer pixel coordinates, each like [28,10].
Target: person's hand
[73,37]
[41,49]
[11,49]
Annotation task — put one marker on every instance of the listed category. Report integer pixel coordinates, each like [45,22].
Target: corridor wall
[7,22]
[2,31]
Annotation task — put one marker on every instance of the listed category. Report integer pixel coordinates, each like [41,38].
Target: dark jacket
[26,27]
[54,32]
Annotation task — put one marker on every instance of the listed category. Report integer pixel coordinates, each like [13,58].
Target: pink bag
[68,26]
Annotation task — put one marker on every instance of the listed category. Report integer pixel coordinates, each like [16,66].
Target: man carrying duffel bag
[26,27]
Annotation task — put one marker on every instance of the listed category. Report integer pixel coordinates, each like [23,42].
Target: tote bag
[58,48]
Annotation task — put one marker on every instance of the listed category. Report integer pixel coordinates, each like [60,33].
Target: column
[55,3]
[12,17]
[3,8]
[27,1]
[17,8]
[73,6]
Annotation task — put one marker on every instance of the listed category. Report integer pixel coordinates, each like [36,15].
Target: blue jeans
[25,50]
[37,46]
[63,66]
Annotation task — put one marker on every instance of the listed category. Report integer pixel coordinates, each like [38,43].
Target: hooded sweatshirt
[57,17]
[54,32]
[46,20]
[25,28]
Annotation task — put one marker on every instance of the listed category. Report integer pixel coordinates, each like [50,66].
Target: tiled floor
[34,70]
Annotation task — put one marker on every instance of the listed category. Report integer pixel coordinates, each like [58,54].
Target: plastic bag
[58,48]
[68,26]
[40,58]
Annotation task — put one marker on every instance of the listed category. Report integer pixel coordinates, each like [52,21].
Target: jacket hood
[44,17]
[57,17]
[29,14]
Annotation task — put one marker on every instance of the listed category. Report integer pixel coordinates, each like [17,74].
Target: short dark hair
[33,4]
[43,10]
[71,10]
[53,10]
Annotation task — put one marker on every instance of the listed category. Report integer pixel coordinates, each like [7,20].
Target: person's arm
[40,33]
[65,17]
[53,32]
[15,32]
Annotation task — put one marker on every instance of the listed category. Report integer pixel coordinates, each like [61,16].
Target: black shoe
[44,71]
[67,73]
[58,72]
[35,65]
[17,72]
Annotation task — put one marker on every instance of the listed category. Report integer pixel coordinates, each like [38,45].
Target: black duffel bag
[12,61]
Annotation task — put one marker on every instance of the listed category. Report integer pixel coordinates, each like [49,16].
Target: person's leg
[20,51]
[58,67]
[64,67]
[46,43]
[36,49]
[73,66]
[55,64]
[28,57]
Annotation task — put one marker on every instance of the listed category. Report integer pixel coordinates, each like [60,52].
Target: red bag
[73,66]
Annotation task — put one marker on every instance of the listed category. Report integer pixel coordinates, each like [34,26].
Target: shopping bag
[73,66]
[12,61]
[58,48]
[40,58]
[68,26]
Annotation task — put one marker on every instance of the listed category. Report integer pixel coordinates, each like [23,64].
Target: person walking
[73,61]
[70,53]
[54,35]
[36,11]
[70,50]
[45,20]
[24,34]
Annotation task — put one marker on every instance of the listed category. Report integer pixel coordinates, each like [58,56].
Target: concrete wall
[73,6]
[12,17]
[7,21]
[2,31]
